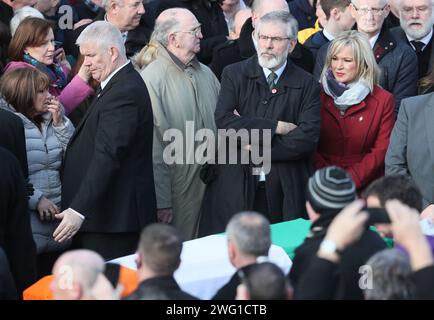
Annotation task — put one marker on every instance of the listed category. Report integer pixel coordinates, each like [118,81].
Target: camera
[57,44]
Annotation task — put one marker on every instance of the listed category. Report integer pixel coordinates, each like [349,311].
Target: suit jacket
[295,100]
[229,290]
[107,170]
[399,34]
[15,232]
[411,148]
[160,288]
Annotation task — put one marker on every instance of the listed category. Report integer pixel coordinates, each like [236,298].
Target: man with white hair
[107,178]
[416,19]
[397,62]
[266,92]
[126,16]
[245,46]
[182,91]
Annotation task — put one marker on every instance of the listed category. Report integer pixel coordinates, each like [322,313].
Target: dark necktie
[418,45]
[98,91]
[271,80]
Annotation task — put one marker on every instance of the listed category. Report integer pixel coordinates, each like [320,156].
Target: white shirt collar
[373,40]
[278,72]
[104,82]
[425,39]
[328,35]
[124,34]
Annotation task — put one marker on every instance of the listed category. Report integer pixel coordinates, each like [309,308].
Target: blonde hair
[145,56]
[367,68]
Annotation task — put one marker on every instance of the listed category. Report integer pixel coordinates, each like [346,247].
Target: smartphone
[57,44]
[377,215]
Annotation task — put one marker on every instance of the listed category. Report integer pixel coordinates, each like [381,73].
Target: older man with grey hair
[184,94]
[397,62]
[416,19]
[126,16]
[107,183]
[249,238]
[391,276]
[269,93]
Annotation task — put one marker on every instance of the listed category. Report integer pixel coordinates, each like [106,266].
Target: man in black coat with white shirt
[107,183]
[287,106]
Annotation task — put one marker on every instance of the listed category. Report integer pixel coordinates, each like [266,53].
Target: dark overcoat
[296,100]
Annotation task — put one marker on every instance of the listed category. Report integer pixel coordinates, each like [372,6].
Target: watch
[329,247]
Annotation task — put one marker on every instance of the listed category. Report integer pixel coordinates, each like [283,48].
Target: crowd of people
[123,133]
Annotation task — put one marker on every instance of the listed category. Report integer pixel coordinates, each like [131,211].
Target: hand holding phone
[377,215]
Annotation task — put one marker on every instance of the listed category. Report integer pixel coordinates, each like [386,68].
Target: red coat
[356,141]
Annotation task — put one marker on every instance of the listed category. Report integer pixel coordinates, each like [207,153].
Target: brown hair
[20,87]
[31,32]
[328,5]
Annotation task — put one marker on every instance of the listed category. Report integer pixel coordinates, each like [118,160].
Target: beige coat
[180,94]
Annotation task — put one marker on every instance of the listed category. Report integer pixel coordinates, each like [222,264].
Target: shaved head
[261,7]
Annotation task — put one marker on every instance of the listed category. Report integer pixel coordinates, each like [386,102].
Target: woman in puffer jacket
[47,133]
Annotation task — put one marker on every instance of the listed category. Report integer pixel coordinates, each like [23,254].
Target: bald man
[244,47]
[239,20]
[78,275]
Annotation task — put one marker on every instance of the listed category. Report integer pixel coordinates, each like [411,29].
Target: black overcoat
[296,100]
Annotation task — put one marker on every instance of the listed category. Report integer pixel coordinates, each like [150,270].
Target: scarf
[344,95]
[54,71]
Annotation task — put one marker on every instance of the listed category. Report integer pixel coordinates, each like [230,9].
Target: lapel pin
[273,91]
[361,119]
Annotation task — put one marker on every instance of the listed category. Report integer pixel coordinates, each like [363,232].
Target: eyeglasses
[195,32]
[374,11]
[273,39]
[410,10]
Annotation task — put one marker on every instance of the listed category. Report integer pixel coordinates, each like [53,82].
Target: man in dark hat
[330,190]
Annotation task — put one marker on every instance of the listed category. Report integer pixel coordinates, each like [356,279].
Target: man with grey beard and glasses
[416,19]
[270,93]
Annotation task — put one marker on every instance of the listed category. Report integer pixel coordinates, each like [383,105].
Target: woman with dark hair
[32,46]
[47,133]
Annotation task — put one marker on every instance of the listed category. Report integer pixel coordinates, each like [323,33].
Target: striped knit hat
[330,189]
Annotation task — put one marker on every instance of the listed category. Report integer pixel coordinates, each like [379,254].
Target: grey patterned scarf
[344,96]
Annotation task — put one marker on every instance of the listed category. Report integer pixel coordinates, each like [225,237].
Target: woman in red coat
[357,116]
